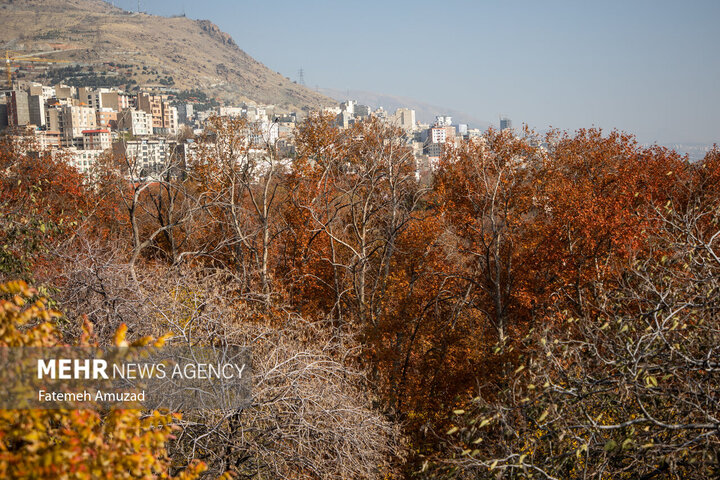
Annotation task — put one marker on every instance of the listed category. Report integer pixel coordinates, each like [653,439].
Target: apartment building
[145,156]
[164,116]
[98,139]
[136,122]
[76,118]
[107,118]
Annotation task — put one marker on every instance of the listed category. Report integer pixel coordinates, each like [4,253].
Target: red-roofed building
[97,139]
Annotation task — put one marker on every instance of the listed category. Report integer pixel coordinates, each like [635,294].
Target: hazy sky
[648,67]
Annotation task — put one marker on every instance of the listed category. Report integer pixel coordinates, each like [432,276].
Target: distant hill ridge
[174,51]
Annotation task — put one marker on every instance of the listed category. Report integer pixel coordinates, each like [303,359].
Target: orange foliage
[80,444]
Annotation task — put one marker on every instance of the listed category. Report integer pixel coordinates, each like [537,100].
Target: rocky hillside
[139,49]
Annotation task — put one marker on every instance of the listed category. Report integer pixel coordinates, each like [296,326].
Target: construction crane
[11,57]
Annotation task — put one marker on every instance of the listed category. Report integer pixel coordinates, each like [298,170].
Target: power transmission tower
[301,76]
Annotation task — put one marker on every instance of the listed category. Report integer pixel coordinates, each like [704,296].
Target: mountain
[108,42]
[424,112]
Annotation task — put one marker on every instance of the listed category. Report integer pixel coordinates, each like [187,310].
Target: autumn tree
[82,444]
[311,411]
[487,196]
[598,196]
[42,201]
[363,241]
[239,170]
[356,193]
[627,392]
[157,201]
[620,381]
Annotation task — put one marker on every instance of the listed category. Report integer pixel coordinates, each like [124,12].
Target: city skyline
[648,68]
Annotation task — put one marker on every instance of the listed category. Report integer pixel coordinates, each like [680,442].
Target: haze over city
[647,67]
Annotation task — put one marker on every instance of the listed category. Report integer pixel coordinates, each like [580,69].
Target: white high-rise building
[443,120]
[137,122]
[405,119]
[505,124]
[348,106]
[146,156]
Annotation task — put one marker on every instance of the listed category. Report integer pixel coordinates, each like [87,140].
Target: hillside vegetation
[150,50]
